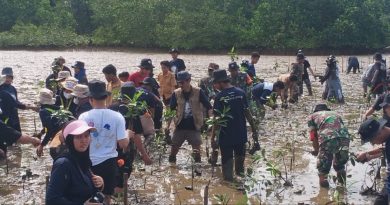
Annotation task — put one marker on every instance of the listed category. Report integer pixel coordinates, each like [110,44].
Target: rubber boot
[342,177]
[324,181]
[239,165]
[227,170]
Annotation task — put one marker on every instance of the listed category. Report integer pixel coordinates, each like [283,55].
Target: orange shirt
[167,84]
[115,90]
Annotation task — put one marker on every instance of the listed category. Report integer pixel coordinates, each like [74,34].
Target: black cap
[300,56]
[78,64]
[220,76]
[183,75]
[234,66]
[146,63]
[97,89]
[127,90]
[148,81]
[378,56]
[7,71]
[331,59]
[213,66]
[370,128]
[321,107]
[174,50]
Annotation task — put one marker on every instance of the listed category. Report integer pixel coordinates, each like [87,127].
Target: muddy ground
[166,184]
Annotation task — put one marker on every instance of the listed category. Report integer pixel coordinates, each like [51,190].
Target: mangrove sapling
[191,188]
[168,115]
[222,199]
[233,54]
[206,194]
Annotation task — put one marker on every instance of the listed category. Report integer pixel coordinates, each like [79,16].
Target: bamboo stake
[125,188]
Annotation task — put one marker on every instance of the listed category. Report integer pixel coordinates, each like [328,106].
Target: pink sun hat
[77,127]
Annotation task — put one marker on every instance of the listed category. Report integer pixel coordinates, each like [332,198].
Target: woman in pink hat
[72,181]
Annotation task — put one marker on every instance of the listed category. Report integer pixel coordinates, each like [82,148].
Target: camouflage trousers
[334,151]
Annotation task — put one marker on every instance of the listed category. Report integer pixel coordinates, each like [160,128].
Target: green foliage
[223,199]
[135,107]
[204,24]
[220,119]
[62,115]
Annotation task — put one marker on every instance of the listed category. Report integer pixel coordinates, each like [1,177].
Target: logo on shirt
[107,126]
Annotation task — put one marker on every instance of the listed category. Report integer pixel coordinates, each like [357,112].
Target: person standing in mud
[177,64]
[378,82]
[376,132]
[146,67]
[206,83]
[231,139]
[167,81]
[110,132]
[80,72]
[289,88]
[332,90]
[353,64]
[153,101]
[189,103]
[330,139]
[368,75]
[251,71]
[60,61]
[297,70]
[240,79]
[64,97]
[305,76]
[7,87]
[81,100]
[113,84]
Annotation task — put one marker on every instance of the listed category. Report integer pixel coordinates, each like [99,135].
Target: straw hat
[46,97]
[70,83]
[63,75]
[80,91]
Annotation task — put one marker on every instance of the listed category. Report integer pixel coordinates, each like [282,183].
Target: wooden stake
[47,182]
[125,188]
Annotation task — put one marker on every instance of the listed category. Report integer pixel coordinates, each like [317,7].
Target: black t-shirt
[378,101]
[177,65]
[306,65]
[235,132]
[8,135]
[121,108]
[187,123]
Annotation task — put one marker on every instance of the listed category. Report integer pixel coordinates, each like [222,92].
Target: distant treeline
[196,24]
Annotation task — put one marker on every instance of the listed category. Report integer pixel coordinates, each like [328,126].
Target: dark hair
[165,63]
[279,84]
[293,78]
[124,74]
[109,69]
[255,55]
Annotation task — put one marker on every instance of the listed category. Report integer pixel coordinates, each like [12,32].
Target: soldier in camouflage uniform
[240,79]
[297,70]
[330,142]
[206,84]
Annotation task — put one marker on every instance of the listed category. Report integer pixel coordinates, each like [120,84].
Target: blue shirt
[261,91]
[251,70]
[178,64]
[235,132]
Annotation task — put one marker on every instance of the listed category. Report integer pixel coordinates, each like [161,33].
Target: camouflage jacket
[297,69]
[206,84]
[240,81]
[328,125]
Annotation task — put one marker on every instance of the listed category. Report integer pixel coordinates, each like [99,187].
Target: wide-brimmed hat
[233,66]
[370,128]
[46,97]
[63,75]
[182,76]
[80,91]
[146,63]
[220,76]
[7,71]
[174,50]
[78,64]
[76,127]
[97,89]
[321,107]
[69,83]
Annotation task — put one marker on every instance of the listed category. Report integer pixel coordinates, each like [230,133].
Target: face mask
[76,101]
[67,95]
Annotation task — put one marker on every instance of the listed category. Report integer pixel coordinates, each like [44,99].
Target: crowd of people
[94,128]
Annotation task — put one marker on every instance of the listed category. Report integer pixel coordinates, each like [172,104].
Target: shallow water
[166,184]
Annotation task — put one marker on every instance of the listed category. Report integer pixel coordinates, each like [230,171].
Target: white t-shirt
[110,127]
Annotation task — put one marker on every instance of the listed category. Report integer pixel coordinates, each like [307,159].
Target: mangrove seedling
[233,54]
[63,115]
[135,107]
[222,199]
